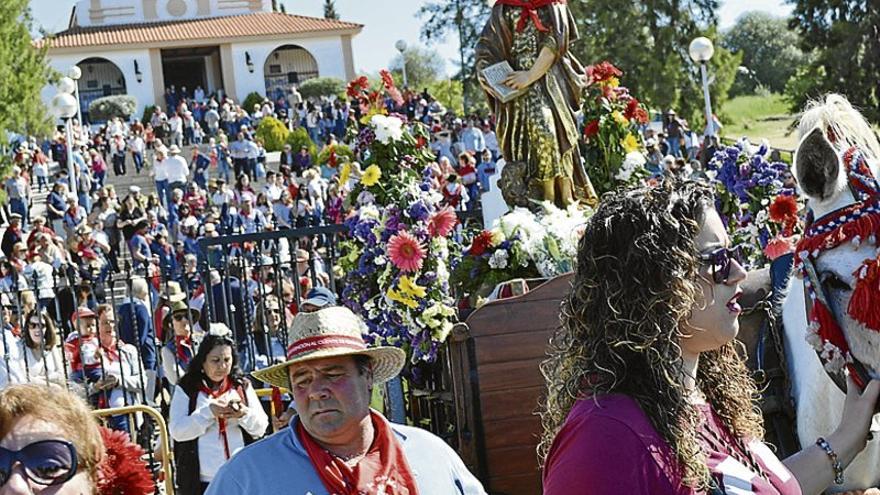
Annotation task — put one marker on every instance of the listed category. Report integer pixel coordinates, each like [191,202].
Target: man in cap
[177,169]
[318,299]
[12,236]
[336,443]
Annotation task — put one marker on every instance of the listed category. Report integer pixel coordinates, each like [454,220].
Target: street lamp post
[75,73]
[65,106]
[701,51]
[401,47]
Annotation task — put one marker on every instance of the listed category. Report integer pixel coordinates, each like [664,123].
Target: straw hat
[332,332]
[180,307]
[175,293]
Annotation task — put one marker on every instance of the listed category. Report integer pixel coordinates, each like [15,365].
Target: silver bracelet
[835,462]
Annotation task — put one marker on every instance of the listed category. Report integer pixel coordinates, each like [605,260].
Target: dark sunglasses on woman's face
[180,316]
[721,260]
[47,462]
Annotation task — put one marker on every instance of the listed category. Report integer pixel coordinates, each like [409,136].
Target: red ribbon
[528,12]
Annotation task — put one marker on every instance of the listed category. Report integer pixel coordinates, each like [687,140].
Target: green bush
[273,133]
[299,138]
[343,154]
[252,99]
[106,108]
[321,86]
[148,114]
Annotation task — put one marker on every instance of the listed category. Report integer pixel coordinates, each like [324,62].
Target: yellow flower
[371,175]
[410,288]
[497,236]
[344,174]
[619,118]
[630,143]
[612,82]
[402,299]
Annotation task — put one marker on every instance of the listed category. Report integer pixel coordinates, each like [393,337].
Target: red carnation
[355,86]
[784,209]
[387,79]
[481,243]
[591,129]
[602,72]
[635,112]
[122,470]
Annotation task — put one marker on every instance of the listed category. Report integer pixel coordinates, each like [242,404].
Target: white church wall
[112,12]
[124,60]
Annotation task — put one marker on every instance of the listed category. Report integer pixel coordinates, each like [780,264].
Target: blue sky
[385,22]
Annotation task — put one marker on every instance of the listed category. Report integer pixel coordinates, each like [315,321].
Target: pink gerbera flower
[405,252]
[442,222]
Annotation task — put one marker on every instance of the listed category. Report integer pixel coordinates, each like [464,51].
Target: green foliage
[449,93]
[423,67]
[343,154]
[252,99]
[108,107]
[148,114]
[769,51]
[649,42]
[843,35]
[23,73]
[759,117]
[321,86]
[298,138]
[330,10]
[464,19]
[273,133]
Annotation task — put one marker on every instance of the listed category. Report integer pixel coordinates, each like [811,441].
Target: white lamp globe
[66,85]
[75,73]
[400,45]
[64,105]
[701,49]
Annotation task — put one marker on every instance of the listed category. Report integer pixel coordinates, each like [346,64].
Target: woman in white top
[214,412]
[38,358]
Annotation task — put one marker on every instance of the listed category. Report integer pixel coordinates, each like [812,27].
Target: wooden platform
[494,358]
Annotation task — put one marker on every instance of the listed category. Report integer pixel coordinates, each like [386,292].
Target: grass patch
[760,117]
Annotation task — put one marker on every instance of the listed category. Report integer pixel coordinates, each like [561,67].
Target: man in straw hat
[336,443]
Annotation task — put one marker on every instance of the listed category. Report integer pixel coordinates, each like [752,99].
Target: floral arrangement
[613,150]
[334,154]
[521,244]
[396,260]
[123,471]
[757,201]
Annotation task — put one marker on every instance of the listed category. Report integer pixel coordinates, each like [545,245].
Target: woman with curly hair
[647,389]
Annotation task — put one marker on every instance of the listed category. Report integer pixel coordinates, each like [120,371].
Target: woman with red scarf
[179,347]
[214,412]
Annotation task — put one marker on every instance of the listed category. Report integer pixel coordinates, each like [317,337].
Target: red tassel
[864,305]
[829,330]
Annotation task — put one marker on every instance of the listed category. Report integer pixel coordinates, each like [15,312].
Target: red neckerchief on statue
[383,468]
[528,12]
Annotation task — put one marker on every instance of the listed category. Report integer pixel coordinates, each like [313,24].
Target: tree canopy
[330,10]
[844,36]
[770,51]
[23,74]
[423,67]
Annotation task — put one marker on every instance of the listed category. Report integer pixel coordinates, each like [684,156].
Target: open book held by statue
[524,47]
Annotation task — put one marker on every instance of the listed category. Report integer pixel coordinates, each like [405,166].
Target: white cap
[134,189]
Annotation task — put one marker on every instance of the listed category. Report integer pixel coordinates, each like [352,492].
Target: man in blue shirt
[472,138]
[336,443]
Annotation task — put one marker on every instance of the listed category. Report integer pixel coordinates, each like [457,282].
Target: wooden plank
[522,431]
[511,375]
[511,315]
[513,347]
[512,461]
[505,405]
[523,484]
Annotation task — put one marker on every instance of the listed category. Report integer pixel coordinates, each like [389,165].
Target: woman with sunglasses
[179,347]
[38,357]
[647,390]
[215,412]
[40,451]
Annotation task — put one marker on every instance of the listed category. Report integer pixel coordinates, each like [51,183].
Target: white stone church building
[233,47]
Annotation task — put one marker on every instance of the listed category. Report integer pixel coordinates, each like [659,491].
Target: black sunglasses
[180,316]
[721,260]
[47,462]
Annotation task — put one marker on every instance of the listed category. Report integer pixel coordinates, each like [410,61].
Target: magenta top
[608,446]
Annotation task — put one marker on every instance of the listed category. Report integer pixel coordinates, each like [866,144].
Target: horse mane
[844,126]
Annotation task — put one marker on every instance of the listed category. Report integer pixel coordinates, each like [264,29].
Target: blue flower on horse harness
[854,223]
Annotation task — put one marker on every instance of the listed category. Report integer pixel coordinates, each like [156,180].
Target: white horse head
[829,130]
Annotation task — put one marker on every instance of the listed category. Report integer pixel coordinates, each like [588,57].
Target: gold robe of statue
[537,129]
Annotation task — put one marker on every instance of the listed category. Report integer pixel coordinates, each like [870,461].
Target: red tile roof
[239,26]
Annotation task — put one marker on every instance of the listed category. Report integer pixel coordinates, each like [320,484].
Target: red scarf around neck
[382,470]
[528,12]
[226,386]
